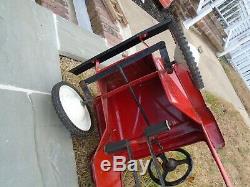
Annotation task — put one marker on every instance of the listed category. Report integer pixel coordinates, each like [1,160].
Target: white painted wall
[82,14]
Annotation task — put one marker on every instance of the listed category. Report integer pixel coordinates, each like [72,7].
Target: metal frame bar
[132,59]
[132,83]
[134,40]
[145,117]
[155,162]
[135,174]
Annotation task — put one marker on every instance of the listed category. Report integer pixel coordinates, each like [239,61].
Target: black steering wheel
[169,165]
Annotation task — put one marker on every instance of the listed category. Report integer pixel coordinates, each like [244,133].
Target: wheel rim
[73,106]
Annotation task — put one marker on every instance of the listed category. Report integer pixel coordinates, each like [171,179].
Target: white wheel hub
[73,107]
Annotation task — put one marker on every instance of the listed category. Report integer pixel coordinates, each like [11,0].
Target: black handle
[123,46]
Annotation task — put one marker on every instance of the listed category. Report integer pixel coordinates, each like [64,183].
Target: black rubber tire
[155,9]
[62,114]
[180,39]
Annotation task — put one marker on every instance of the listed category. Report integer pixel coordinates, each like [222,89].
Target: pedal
[156,129]
[117,146]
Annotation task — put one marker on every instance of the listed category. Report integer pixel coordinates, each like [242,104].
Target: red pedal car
[147,106]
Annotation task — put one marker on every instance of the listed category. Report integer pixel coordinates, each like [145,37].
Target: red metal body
[171,97]
[166,3]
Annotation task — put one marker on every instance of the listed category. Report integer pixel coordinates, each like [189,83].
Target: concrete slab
[53,144]
[77,43]
[19,162]
[36,150]
[28,47]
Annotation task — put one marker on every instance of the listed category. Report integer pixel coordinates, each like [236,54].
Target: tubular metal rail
[136,39]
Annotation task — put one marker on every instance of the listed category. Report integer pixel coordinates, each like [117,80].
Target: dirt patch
[235,155]
[239,86]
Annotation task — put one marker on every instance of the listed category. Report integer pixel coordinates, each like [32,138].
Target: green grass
[214,103]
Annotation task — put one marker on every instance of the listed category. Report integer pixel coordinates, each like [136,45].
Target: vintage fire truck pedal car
[147,106]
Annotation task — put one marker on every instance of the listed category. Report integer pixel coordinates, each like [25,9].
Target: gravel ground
[235,155]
